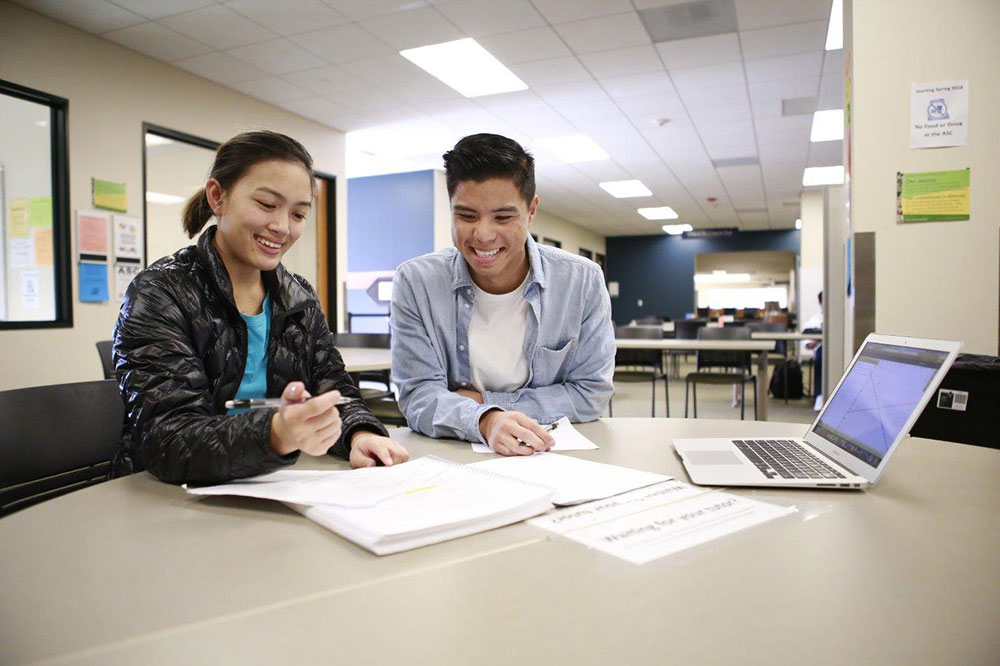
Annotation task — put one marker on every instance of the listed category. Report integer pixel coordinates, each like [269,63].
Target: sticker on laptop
[953,400]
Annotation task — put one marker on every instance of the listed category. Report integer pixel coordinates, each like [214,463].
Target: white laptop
[872,409]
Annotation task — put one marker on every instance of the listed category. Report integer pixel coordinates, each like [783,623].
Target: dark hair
[483,156]
[232,161]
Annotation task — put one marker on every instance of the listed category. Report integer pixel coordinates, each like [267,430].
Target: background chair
[56,439]
[684,329]
[779,357]
[722,367]
[104,352]
[381,401]
[640,364]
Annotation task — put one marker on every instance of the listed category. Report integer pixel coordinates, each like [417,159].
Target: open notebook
[391,509]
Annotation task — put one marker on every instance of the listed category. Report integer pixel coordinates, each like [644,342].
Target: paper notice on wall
[124,273]
[939,114]
[109,195]
[93,282]
[40,212]
[43,247]
[127,237]
[932,196]
[31,290]
[92,234]
[22,252]
[17,219]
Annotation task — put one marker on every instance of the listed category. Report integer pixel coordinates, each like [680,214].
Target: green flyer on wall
[932,196]
[109,195]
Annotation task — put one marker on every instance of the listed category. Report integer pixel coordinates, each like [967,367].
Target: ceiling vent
[736,162]
[690,19]
[798,106]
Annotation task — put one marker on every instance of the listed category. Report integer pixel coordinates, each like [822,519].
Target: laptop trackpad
[721,457]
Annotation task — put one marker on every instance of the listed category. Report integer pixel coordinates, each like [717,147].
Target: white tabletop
[135,571]
[694,345]
[784,335]
[365,359]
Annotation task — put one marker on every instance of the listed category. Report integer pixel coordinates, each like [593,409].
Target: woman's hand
[311,426]
[369,449]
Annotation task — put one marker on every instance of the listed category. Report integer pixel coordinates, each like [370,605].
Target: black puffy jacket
[180,349]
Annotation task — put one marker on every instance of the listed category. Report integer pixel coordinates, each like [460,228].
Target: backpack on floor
[793,389]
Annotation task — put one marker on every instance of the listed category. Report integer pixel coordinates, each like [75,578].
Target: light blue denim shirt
[570,343]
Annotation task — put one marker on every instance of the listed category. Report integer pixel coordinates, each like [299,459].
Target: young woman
[224,319]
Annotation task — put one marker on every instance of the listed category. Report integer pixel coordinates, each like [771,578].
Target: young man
[498,334]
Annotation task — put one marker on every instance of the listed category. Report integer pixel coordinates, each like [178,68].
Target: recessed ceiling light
[626,189]
[798,223]
[573,148]
[827,126]
[831,175]
[835,30]
[718,277]
[465,66]
[676,229]
[659,213]
[157,140]
[165,199]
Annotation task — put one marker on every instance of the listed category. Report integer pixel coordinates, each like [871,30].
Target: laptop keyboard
[785,458]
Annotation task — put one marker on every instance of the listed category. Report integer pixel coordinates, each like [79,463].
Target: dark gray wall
[660,269]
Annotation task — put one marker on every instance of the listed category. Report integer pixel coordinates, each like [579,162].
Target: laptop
[849,444]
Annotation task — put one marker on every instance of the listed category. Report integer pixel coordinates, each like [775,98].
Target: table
[135,571]
[365,359]
[761,347]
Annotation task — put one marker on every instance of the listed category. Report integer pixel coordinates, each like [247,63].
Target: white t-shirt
[497,328]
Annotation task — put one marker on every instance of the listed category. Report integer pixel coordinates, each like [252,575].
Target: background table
[135,571]
[759,347]
[365,359]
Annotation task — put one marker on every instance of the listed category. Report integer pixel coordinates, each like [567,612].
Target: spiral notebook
[392,509]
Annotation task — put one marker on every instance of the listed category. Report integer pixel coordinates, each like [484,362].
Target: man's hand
[514,433]
[369,449]
[472,394]
[311,426]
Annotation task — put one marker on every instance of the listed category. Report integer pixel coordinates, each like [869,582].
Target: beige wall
[934,279]
[111,91]
[573,237]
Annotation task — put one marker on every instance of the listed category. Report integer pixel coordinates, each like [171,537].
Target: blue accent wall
[660,269]
[389,219]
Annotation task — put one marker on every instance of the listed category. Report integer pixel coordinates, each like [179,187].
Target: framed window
[35,278]
[551,241]
[584,252]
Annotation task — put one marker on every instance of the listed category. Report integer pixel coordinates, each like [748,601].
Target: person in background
[497,335]
[224,319]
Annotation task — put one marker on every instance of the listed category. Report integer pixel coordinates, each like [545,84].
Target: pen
[549,428]
[257,403]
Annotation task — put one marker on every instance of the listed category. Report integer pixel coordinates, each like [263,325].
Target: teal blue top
[254,383]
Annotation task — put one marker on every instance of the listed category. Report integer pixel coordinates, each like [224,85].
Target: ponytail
[196,213]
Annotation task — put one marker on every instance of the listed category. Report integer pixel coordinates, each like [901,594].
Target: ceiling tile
[833,63]
[785,40]
[623,62]
[754,14]
[221,68]
[517,47]
[700,51]
[701,98]
[799,65]
[386,71]
[370,99]
[604,34]
[218,27]
[413,28]
[277,57]
[425,90]
[645,109]
[274,90]
[156,41]
[650,83]
[775,91]
[356,10]
[563,11]
[157,9]
[488,17]
[329,81]
[539,73]
[343,43]
[572,93]
[831,93]
[317,108]
[97,16]
[288,17]
[692,79]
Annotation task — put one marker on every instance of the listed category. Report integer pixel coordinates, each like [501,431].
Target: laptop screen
[876,398]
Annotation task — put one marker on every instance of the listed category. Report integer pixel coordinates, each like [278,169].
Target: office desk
[136,572]
[784,335]
[760,347]
[365,359]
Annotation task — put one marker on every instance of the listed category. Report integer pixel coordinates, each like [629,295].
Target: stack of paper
[391,509]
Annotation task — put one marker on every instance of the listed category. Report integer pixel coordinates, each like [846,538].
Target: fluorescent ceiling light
[465,66]
[798,223]
[165,199]
[573,148]
[831,175]
[659,213]
[157,140]
[835,31]
[676,229]
[626,189]
[721,277]
[827,126]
